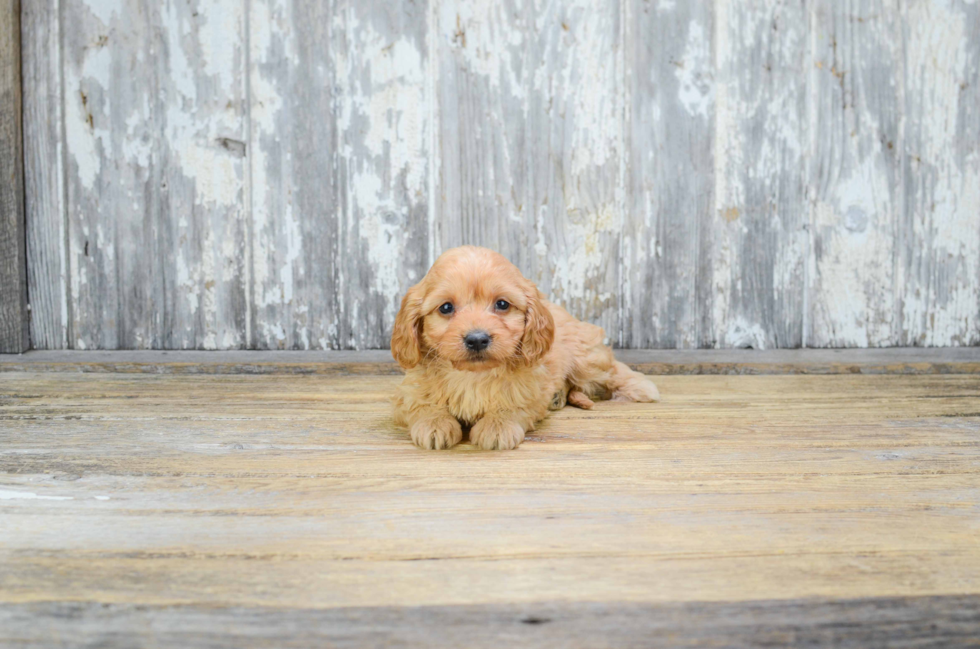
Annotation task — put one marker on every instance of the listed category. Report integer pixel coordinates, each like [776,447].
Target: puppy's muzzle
[477,341]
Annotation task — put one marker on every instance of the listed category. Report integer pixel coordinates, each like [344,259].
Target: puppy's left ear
[539,328]
[406,343]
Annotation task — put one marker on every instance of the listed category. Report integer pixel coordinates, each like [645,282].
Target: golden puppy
[481,347]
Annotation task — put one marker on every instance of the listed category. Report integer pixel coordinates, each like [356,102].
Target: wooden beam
[13,254]
[903,360]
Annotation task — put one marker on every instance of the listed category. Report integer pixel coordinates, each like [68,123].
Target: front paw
[496,434]
[436,433]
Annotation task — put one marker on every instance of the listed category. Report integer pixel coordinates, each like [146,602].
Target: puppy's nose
[476,341]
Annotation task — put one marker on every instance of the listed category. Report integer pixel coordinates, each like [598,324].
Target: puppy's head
[474,309]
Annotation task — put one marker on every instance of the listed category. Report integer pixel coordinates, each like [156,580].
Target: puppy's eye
[446,308]
[502,305]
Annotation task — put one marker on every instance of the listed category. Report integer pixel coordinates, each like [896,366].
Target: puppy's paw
[436,433]
[492,434]
[639,389]
[558,400]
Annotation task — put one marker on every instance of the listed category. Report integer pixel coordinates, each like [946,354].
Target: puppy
[482,348]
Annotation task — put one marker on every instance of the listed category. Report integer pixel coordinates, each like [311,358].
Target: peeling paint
[678,191]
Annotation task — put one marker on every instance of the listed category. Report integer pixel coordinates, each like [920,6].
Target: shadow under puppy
[482,347]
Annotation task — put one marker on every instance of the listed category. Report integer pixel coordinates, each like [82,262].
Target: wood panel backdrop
[225,174]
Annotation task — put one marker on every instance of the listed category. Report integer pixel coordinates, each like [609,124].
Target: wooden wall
[14,326]
[275,173]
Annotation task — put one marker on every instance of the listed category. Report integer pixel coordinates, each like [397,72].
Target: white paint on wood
[275,174]
[940,262]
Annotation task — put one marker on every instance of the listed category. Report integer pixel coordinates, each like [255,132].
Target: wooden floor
[286,510]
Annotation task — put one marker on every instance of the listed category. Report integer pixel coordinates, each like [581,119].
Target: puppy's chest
[471,395]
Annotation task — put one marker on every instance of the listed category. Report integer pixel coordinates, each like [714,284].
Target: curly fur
[540,357]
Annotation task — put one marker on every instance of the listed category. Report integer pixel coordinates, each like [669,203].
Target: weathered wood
[14,328]
[855,176]
[576,148]
[382,59]
[786,500]
[48,270]
[755,239]
[938,262]
[783,361]
[274,174]
[481,159]
[531,143]
[670,68]
[295,258]
[898,622]
[154,133]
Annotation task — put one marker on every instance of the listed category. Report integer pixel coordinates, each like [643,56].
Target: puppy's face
[475,310]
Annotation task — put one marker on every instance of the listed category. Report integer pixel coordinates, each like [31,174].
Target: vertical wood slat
[576,148]
[382,62]
[155,135]
[340,168]
[482,165]
[294,184]
[14,336]
[938,245]
[756,240]
[44,175]
[855,179]
[530,142]
[671,172]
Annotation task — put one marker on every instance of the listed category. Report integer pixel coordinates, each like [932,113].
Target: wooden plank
[295,255]
[340,194]
[481,156]
[530,143]
[756,239]
[44,175]
[900,622]
[855,175]
[575,146]
[784,361]
[384,116]
[804,507]
[939,257]
[155,136]
[14,328]
[671,170]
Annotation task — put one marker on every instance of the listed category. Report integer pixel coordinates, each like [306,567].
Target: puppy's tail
[627,385]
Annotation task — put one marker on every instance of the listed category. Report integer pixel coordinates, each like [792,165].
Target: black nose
[476,341]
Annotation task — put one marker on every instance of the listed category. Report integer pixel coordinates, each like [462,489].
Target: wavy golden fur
[536,357]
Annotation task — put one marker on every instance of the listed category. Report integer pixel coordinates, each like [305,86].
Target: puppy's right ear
[406,336]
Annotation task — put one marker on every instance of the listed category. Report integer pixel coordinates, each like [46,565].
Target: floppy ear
[539,328]
[406,343]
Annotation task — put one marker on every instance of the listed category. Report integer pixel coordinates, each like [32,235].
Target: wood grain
[938,261]
[670,68]
[900,622]
[481,159]
[700,174]
[840,501]
[154,131]
[294,247]
[383,59]
[14,328]
[756,241]
[855,173]
[48,269]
